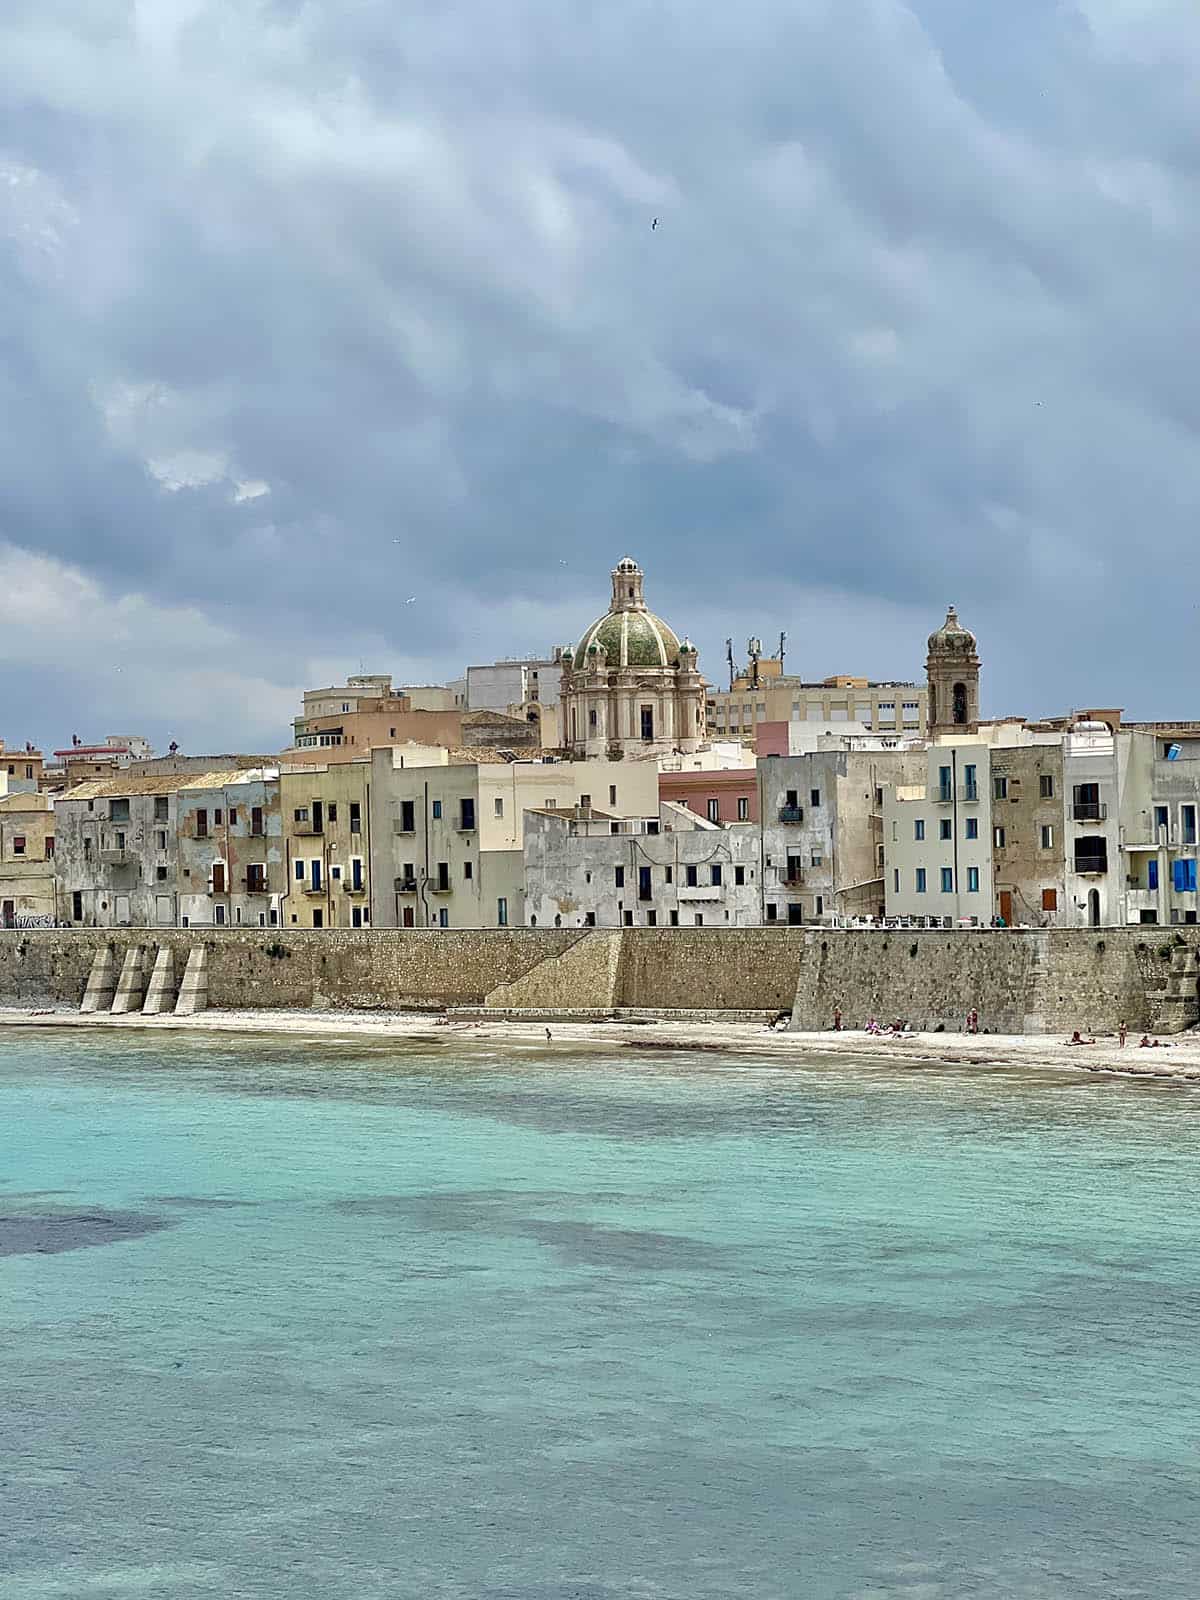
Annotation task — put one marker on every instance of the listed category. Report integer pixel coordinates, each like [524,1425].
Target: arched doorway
[1093,908]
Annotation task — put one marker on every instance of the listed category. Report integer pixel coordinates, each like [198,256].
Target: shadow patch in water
[52,1232]
[207,1202]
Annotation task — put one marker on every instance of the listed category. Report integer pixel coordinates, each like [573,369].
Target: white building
[938,838]
[588,870]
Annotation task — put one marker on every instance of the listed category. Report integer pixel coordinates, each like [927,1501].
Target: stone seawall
[1020,981]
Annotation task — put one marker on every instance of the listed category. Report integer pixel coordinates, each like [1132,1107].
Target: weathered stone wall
[290,970]
[1019,980]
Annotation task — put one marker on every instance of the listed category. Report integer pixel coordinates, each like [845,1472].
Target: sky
[339,336]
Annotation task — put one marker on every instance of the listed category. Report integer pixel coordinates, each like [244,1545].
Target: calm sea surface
[334,1322]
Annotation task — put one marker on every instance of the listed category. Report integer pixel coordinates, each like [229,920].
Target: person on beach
[1076,1038]
[1121,1032]
[972,1021]
[837,1019]
[549,1035]
[872,1025]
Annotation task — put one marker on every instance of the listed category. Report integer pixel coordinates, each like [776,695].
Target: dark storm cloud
[306,309]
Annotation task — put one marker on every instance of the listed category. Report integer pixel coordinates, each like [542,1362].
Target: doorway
[1093,908]
[8,913]
[1006,907]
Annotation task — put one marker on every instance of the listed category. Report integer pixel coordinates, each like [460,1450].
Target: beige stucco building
[447,834]
[27,893]
[631,687]
[326,845]
[768,696]
[346,722]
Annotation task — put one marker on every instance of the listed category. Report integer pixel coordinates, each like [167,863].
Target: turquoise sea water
[297,1319]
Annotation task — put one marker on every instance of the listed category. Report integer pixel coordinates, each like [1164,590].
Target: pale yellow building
[447,836]
[27,894]
[765,694]
[326,845]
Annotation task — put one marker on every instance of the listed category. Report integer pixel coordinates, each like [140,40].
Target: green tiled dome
[635,638]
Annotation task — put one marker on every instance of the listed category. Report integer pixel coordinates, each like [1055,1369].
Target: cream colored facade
[325,811]
[447,838]
[879,707]
[346,722]
[27,894]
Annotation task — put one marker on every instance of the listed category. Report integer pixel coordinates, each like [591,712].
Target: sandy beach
[1179,1058]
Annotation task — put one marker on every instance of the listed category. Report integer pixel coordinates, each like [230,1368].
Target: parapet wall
[1019,981]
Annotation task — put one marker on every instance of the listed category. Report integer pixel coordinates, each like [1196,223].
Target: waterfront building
[447,830]
[586,869]
[631,687]
[719,794]
[325,818]
[27,896]
[823,829]
[81,761]
[764,695]
[229,843]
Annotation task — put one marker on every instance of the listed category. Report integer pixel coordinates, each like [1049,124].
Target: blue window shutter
[1179,876]
[1152,874]
[1189,874]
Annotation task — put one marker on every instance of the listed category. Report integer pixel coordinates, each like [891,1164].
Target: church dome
[628,633]
[952,638]
[630,639]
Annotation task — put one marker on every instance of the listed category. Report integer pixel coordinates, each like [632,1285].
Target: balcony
[791,814]
[1091,865]
[441,888]
[944,794]
[970,793]
[116,858]
[351,887]
[257,886]
[400,826]
[309,829]
[1089,811]
[688,894]
[404,885]
[794,880]
[308,887]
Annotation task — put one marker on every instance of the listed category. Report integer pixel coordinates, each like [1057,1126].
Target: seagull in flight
[654,225]
[411,601]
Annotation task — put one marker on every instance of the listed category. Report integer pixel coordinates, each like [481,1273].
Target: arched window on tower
[932,703]
[960,702]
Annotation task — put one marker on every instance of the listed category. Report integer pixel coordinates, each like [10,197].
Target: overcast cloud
[309,307]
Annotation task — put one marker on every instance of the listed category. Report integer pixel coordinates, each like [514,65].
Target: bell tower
[952,671]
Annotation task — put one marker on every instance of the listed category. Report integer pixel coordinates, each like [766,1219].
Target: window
[49,847]
[920,880]
[437,809]
[612,794]
[77,906]
[972,880]
[498,806]
[945,785]
[118,811]
[256,821]
[217,818]
[406,816]
[647,717]
[19,844]
[202,824]
[970,787]
[618,877]
[670,874]
[1161,817]
[792,800]
[739,875]
[652,919]
[1050,897]
[502,913]
[443,920]
[160,874]
[1187,824]
[814,797]
[743,808]
[1046,792]
[772,913]
[945,828]
[690,878]
[998,838]
[331,811]
[816,859]
[1152,874]
[896,879]
[1184,874]
[713,809]
[589,920]
[87,849]
[443,875]
[468,870]
[300,814]
[629,919]
[716,873]
[120,841]
[585,801]
[256,877]
[299,870]
[919,829]
[467,815]
[699,919]
[219,916]
[1047,836]
[652,825]
[161,808]
[972,827]
[592,718]
[1000,787]
[645,883]
[947,880]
